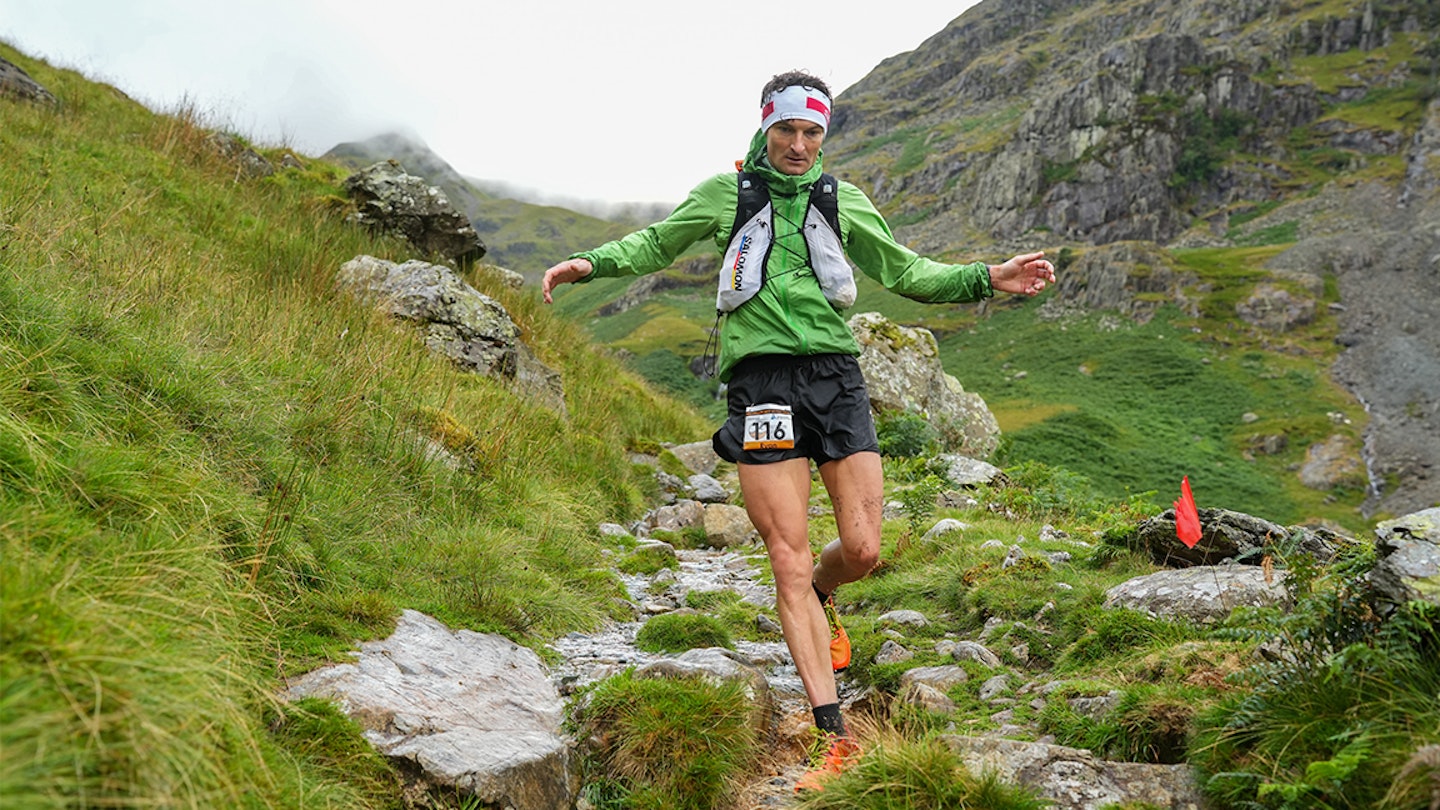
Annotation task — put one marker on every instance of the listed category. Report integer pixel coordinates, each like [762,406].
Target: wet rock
[1095,708]
[941,677]
[963,471]
[1409,564]
[994,687]
[727,526]
[469,713]
[892,652]
[1200,593]
[1075,779]
[943,528]
[904,618]
[972,651]
[925,696]
[1231,535]
[707,489]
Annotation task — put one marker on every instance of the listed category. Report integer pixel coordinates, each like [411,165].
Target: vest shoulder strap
[752,194]
[825,197]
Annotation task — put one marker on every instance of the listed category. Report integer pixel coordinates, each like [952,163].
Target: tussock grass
[895,772]
[216,470]
[668,743]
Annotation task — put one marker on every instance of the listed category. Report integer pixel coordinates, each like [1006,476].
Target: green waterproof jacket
[790,314]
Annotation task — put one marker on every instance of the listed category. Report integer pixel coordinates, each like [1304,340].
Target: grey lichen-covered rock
[698,457]
[16,83]
[390,201]
[470,713]
[1200,594]
[1332,463]
[1132,278]
[1409,564]
[456,320]
[892,652]
[903,374]
[728,526]
[963,471]
[943,528]
[926,697]
[1074,779]
[974,651]
[1276,309]
[249,164]
[904,618]
[941,677]
[1235,536]
[707,489]
[680,515]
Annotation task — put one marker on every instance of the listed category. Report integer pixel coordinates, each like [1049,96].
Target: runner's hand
[566,272]
[1026,274]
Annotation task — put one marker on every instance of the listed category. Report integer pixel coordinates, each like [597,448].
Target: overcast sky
[628,100]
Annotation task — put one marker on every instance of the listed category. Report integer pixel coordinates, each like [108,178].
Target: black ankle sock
[827,719]
[824,597]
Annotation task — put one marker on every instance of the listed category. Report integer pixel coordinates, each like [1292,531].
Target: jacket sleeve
[656,247]
[871,246]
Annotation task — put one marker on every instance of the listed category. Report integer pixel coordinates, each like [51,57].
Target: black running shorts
[829,408]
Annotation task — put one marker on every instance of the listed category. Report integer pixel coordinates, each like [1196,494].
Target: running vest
[753,236]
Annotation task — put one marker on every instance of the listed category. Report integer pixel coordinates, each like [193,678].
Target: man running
[795,392]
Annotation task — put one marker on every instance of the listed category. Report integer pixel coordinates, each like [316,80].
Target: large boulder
[1075,779]
[390,201]
[470,328]
[1234,536]
[1276,309]
[1408,568]
[16,83]
[470,713]
[1201,594]
[903,375]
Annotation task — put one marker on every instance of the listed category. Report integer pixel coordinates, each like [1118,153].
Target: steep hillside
[519,236]
[1260,173]
[217,471]
[1308,126]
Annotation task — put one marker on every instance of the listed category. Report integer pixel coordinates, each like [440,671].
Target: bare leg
[777,498]
[857,492]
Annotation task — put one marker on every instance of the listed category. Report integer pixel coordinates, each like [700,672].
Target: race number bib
[769,427]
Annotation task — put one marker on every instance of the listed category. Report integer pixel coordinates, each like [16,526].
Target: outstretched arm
[1026,274]
[566,272]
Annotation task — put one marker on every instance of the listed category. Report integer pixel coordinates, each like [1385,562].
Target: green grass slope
[215,469]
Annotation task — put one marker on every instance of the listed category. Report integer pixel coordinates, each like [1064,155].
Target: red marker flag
[1187,519]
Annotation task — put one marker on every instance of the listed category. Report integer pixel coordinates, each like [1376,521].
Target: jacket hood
[757,161]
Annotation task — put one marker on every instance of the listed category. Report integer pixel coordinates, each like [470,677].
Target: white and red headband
[796,101]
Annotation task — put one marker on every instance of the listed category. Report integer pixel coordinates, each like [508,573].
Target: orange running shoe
[839,641]
[843,753]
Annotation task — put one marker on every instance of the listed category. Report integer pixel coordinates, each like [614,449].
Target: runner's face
[793,145]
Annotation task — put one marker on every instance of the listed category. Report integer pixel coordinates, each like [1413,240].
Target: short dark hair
[793,77]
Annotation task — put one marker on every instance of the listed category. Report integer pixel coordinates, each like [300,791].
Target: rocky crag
[1183,125]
